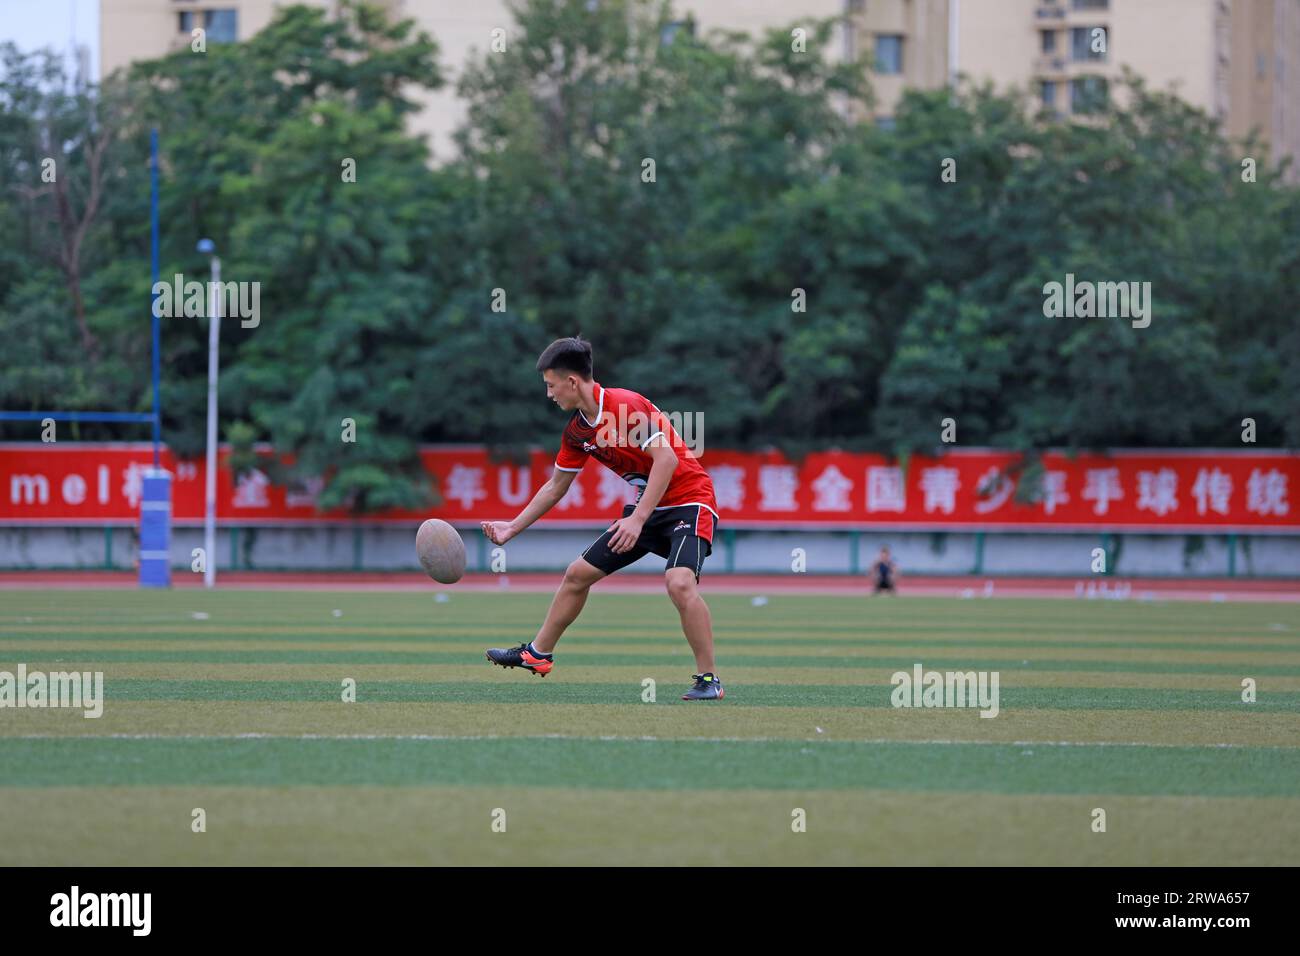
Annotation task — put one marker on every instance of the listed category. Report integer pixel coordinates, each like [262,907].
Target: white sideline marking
[710,740]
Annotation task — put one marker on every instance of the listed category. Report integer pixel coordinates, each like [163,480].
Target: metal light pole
[208,247]
[954,51]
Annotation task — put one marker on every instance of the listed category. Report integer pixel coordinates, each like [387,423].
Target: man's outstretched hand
[498,532]
[627,531]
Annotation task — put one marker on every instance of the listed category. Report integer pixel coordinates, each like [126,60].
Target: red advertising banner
[96,484]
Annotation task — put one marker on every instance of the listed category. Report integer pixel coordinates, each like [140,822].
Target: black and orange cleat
[521,656]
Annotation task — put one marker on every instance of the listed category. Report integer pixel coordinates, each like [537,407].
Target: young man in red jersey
[674,515]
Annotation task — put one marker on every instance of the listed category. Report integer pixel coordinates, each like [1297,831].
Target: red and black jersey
[625,424]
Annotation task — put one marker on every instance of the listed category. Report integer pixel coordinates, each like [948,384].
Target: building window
[1082,40]
[1088,94]
[1047,93]
[222,25]
[889,53]
[668,34]
[1048,41]
[1091,4]
[219,26]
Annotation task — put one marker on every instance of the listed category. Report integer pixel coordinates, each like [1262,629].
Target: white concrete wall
[915,553]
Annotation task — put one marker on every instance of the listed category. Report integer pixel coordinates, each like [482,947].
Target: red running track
[1164,589]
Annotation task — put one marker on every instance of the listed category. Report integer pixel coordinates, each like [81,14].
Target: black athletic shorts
[683,535]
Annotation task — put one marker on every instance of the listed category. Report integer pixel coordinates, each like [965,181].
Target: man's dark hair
[567,355]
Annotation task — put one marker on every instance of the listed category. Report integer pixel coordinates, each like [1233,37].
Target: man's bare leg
[567,603]
[697,623]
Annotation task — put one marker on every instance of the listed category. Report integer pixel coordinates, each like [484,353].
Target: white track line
[716,585]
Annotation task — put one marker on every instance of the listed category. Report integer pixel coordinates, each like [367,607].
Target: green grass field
[1134,708]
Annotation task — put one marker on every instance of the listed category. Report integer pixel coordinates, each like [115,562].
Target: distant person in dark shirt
[885,573]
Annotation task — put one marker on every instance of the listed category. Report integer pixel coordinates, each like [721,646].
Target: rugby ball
[441,551]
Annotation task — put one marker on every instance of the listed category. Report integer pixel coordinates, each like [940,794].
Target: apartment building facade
[1237,59]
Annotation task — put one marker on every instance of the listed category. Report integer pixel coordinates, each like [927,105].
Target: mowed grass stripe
[666,721]
[333,630]
[90,638]
[824,653]
[478,671]
[70,657]
[653,765]
[394,826]
[634,614]
[753,695]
